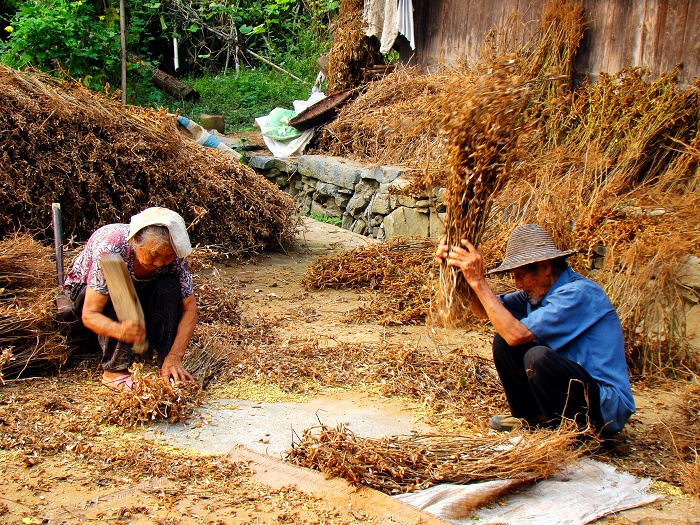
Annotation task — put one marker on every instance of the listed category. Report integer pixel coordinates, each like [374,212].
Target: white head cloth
[158,216]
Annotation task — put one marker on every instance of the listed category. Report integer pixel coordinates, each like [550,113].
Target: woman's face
[152,255]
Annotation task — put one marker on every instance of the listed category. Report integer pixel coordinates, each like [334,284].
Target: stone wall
[365,198]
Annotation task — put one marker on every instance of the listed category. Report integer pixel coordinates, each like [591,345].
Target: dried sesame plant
[29,333]
[397,273]
[352,50]
[152,398]
[403,464]
[483,128]
[683,427]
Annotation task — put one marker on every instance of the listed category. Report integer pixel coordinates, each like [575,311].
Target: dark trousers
[540,382]
[161,302]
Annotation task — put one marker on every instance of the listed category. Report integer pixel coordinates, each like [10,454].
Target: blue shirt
[577,320]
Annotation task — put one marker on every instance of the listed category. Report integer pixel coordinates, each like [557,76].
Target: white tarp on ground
[586,492]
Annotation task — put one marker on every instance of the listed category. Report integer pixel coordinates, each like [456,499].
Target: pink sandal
[123,383]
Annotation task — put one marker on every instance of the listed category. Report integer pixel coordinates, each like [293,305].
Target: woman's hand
[131,333]
[172,367]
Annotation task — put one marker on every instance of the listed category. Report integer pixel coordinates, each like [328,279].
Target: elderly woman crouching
[153,246]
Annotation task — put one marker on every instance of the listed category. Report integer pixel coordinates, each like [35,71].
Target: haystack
[104,163]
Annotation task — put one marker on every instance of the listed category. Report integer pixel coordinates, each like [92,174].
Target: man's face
[535,283]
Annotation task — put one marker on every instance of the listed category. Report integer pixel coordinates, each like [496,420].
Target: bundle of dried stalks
[29,333]
[403,464]
[104,163]
[153,399]
[483,130]
[399,270]
[352,52]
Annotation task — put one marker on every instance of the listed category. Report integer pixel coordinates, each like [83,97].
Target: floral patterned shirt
[111,238]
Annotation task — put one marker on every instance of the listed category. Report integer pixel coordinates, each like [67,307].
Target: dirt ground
[69,487]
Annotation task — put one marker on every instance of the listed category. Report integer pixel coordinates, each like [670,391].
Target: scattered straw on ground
[153,399]
[400,269]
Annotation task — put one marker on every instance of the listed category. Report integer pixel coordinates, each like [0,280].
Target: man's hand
[172,367]
[468,259]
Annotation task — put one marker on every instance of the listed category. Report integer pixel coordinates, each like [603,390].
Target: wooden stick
[123,294]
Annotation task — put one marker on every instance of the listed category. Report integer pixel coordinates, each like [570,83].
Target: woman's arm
[93,319]
[172,365]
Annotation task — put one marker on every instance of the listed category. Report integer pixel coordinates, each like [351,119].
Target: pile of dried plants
[352,51]
[153,399]
[69,417]
[401,269]
[104,163]
[29,332]
[403,464]
[684,430]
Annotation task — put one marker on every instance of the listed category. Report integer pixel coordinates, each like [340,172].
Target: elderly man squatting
[559,346]
[154,246]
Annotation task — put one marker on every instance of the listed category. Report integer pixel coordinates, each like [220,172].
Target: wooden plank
[338,492]
[123,294]
[656,34]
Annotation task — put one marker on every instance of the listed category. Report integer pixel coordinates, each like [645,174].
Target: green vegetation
[222,47]
[336,221]
[251,92]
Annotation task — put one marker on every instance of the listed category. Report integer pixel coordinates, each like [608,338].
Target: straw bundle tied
[484,128]
[403,464]
[29,333]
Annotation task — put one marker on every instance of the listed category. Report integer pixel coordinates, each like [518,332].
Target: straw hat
[158,216]
[529,243]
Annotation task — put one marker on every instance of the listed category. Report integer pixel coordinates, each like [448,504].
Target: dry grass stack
[29,332]
[400,271]
[394,121]
[403,464]
[352,52]
[483,129]
[104,163]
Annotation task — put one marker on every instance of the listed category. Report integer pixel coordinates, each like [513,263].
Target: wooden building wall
[656,34]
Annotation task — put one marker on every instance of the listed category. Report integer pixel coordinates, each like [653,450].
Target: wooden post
[122,31]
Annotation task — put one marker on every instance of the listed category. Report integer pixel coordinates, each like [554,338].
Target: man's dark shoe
[506,423]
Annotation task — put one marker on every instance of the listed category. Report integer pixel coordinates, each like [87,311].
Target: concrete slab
[269,428]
